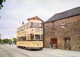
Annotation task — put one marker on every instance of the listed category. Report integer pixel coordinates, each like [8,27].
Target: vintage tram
[30,34]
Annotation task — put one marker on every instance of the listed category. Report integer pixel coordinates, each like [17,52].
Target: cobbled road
[12,51]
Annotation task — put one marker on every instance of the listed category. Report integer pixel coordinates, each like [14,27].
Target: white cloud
[15,11]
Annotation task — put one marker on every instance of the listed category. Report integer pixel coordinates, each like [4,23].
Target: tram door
[67,43]
[53,42]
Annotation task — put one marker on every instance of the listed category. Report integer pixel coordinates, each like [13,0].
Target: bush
[6,40]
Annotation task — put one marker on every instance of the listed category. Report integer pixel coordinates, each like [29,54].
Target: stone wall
[70,30]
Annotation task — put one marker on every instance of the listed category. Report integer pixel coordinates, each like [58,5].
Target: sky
[16,11]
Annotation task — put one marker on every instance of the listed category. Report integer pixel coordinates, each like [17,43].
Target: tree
[1,1]
[14,40]
[6,40]
[0,40]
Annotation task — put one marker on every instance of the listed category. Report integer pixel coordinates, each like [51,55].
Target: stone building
[63,30]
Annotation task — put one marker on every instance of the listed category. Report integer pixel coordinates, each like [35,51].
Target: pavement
[12,51]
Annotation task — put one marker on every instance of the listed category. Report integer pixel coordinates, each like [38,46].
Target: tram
[30,34]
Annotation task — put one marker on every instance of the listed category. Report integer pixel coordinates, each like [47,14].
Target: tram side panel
[30,44]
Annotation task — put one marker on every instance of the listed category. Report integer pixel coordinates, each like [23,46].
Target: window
[32,37]
[37,37]
[23,38]
[31,25]
[25,26]
[62,25]
[34,25]
[39,24]
[53,25]
[28,25]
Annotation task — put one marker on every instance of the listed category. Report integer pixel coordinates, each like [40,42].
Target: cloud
[16,11]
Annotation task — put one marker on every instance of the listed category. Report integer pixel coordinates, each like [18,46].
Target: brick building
[63,30]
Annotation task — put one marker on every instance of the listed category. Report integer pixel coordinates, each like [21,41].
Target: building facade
[63,30]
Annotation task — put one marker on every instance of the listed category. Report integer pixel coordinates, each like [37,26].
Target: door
[67,43]
[53,42]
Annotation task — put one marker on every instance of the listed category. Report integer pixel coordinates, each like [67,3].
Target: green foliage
[0,40]
[14,40]
[1,1]
[6,40]
[0,7]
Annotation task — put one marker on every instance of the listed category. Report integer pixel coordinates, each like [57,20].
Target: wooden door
[54,42]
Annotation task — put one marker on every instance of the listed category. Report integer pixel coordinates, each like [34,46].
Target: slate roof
[68,13]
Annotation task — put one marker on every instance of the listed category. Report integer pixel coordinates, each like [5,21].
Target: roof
[35,18]
[68,13]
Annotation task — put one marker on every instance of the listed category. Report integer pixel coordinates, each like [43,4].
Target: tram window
[19,39]
[37,37]
[39,24]
[23,38]
[32,37]
[31,25]
[34,25]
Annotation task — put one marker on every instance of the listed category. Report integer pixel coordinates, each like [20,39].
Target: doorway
[67,44]
[53,42]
